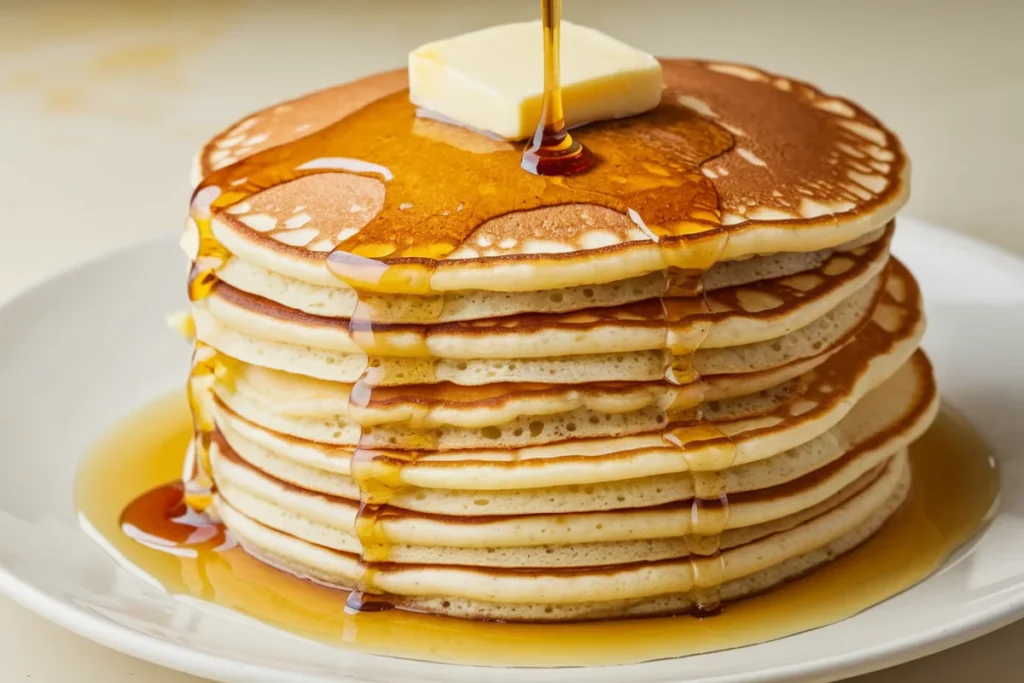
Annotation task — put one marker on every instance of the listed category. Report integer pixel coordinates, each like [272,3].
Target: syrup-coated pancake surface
[460,388]
[797,170]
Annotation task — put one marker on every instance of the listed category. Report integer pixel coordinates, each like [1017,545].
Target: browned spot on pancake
[794,144]
[766,298]
[296,118]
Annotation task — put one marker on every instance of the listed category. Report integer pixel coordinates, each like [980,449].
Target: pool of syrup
[955,486]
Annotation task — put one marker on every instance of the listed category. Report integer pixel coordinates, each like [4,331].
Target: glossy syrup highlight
[955,486]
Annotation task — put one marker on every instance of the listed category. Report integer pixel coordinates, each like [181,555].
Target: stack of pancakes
[514,444]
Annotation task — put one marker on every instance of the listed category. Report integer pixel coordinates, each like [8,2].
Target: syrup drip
[687,431]
[553,151]
[197,474]
[378,478]
[439,190]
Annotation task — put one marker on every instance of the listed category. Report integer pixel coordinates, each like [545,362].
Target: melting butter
[493,79]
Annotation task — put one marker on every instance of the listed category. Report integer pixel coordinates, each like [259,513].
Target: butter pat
[493,79]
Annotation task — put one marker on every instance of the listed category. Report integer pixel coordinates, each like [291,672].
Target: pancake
[642,588]
[751,328]
[549,554]
[340,302]
[892,414]
[806,171]
[739,315]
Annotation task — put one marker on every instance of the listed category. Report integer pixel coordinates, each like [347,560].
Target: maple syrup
[197,476]
[955,485]
[553,151]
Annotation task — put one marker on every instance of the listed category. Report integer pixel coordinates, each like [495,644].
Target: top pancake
[804,171]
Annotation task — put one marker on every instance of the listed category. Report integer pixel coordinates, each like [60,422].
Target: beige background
[101,105]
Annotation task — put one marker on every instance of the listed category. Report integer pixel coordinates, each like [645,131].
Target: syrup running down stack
[671,379]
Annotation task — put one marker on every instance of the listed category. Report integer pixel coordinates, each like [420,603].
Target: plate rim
[190,660]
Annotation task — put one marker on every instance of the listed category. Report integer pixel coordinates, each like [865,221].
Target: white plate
[82,350]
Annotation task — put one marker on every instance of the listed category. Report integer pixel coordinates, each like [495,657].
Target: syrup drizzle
[553,151]
[437,194]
